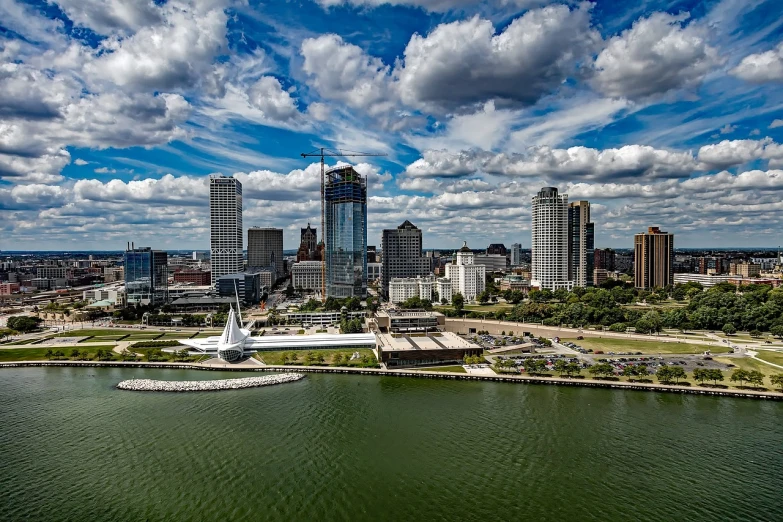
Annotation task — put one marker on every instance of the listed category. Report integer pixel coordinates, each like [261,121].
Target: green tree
[560,366]
[755,334]
[629,371]
[739,375]
[49,354]
[729,329]
[642,370]
[777,330]
[664,374]
[23,323]
[75,353]
[458,302]
[701,374]
[337,360]
[777,380]
[677,373]
[573,369]
[483,297]
[756,378]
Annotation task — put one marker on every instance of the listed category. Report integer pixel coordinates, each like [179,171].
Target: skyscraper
[146,276]
[402,256]
[516,254]
[466,277]
[604,259]
[225,231]
[308,244]
[653,259]
[265,249]
[581,244]
[549,235]
[345,197]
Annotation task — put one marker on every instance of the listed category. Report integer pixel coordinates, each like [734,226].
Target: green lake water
[341,447]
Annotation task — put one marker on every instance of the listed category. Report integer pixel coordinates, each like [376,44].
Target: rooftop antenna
[239,310]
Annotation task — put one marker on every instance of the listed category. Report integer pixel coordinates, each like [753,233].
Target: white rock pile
[222,384]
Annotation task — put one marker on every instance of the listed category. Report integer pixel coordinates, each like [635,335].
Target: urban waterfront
[338,447]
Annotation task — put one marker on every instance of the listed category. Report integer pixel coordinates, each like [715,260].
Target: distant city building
[246,285]
[516,254]
[307,275]
[706,280]
[146,276]
[654,259]
[515,282]
[745,269]
[225,231]
[466,277]
[712,265]
[9,288]
[374,271]
[600,276]
[549,235]
[346,233]
[624,262]
[372,254]
[443,287]
[581,244]
[308,245]
[402,254]
[604,258]
[113,274]
[403,288]
[265,249]
[197,277]
[52,272]
[492,262]
[498,249]
[111,296]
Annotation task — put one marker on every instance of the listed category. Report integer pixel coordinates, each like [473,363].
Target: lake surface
[342,447]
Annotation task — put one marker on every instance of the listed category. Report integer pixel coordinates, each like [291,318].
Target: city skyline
[665,114]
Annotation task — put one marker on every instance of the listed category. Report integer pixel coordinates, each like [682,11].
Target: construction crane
[322,153]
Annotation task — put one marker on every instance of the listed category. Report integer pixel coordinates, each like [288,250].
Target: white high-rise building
[549,235]
[225,232]
[443,287]
[466,277]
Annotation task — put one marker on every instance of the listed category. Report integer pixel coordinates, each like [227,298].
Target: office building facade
[243,284]
[604,258]
[581,244]
[265,249]
[516,254]
[549,240]
[345,253]
[225,231]
[308,245]
[653,259]
[307,275]
[146,276]
[402,255]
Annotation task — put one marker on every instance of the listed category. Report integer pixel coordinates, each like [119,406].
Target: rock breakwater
[222,384]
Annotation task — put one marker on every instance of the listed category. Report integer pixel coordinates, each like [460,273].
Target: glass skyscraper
[146,276]
[346,233]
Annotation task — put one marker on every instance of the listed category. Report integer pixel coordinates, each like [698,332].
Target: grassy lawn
[276,358]
[89,332]
[202,335]
[773,357]
[39,354]
[747,363]
[646,347]
[452,369]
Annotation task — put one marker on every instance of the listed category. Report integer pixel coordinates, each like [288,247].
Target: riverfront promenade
[519,379]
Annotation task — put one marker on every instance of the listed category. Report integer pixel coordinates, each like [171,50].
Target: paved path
[753,355]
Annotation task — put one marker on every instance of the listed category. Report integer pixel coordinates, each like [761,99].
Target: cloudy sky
[662,112]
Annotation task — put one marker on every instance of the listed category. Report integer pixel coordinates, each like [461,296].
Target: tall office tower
[308,245]
[516,254]
[265,249]
[225,231]
[146,276]
[604,259]
[345,197]
[653,259]
[581,244]
[402,255]
[549,235]
[466,277]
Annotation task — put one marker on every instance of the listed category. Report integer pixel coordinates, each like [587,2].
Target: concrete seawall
[524,379]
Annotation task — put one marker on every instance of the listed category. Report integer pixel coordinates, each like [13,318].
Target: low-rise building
[321,318]
[247,285]
[114,296]
[112,274]
[307,275]
[9,288]
[374,271]
[397,350]
[601,275]
[406,321]
[492,262]
[515,282]
[745,269]
[403,288]
[198,277]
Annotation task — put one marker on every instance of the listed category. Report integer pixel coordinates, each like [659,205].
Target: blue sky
[113,113]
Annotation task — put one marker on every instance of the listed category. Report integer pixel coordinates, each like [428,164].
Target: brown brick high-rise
[653,259]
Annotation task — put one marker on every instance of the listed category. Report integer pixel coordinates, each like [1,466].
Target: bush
[154,344]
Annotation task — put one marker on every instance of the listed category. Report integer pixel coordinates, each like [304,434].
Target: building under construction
[345,201]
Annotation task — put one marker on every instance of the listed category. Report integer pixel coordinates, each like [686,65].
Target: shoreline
[515,379]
